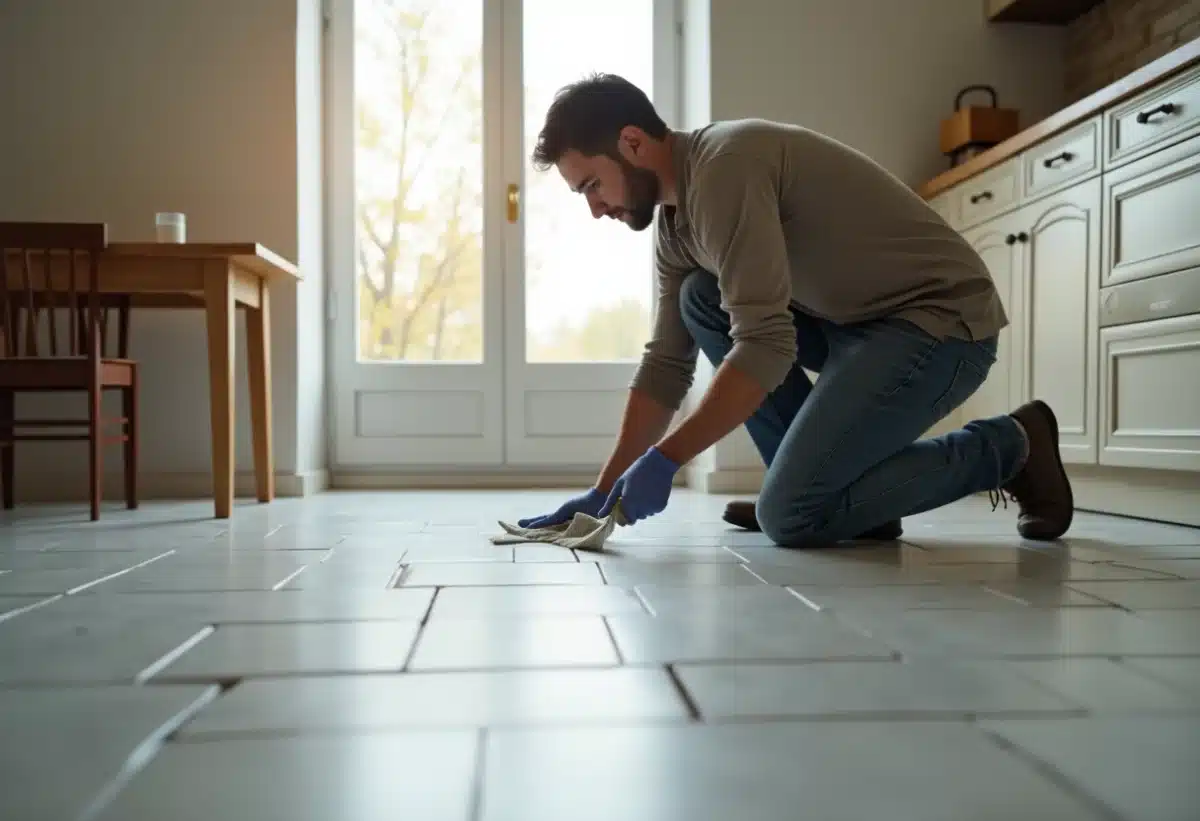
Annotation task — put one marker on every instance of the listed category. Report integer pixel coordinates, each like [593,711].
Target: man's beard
[642,188]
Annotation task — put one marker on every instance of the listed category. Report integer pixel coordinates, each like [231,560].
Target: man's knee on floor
[699,297]
[789,520]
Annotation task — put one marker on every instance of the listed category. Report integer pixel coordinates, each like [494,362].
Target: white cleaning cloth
[583,532]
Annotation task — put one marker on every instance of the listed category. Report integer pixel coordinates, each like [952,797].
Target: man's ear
[631,142]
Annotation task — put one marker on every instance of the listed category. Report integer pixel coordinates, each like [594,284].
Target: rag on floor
[583,532]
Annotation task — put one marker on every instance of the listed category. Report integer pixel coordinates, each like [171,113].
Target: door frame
[668,92]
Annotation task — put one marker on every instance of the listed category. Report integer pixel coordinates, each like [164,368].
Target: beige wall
[118,109]
[877,75]
[1120,36]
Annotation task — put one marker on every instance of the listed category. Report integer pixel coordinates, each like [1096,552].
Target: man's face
[613,187]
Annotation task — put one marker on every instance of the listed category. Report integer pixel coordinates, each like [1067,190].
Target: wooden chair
[41,266]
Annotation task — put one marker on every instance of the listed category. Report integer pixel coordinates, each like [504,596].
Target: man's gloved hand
[644,488]
[589,503]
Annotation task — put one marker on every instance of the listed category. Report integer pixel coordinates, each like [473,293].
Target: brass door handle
[514,201]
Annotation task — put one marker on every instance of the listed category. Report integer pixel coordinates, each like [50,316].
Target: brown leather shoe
[741,514]
[1041,488]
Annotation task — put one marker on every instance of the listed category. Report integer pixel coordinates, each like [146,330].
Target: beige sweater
[785,216]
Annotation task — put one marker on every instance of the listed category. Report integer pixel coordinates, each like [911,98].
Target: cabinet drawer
[1152,215]
[1150,394]
[1152,120]
[1067,158]
[944,204]
[987,195]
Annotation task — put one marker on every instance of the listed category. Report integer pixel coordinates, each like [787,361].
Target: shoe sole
[1048,413]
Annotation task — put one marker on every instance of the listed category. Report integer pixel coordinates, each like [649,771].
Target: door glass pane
[418,91]
[588,282]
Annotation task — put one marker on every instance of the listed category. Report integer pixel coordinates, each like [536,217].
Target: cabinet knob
[1010,239]
[1022,237]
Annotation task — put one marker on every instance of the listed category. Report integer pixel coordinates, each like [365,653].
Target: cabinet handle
[1022,237]
[1065,156]
[983,195]
[1011,239]
[1166,108]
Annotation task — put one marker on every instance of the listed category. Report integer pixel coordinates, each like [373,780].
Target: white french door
[480,316]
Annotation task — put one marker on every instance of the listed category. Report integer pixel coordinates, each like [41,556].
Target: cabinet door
[1150,394]
[1152,215]
[994,241]
[1058,321]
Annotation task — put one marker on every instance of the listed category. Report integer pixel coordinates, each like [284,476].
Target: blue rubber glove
[643,488]
[589,503]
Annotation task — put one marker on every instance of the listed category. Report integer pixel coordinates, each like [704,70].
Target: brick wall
[1120,36]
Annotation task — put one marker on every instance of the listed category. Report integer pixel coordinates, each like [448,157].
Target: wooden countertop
[1130,85]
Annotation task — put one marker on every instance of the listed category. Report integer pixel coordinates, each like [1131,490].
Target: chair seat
[62,373]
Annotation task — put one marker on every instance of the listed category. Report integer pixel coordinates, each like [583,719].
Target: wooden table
[215,277]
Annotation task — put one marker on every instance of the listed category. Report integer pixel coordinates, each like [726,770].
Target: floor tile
[54,582]
[661,554]
[249,606]
[1098,684]
[345,576]
[890,689]
[1004,633]
[1183,568]
[531,600]
[632,573]
[482,644]
[239,650]
[710,602]
[765,635]
[1043,594]
[1181,674]
[543,553]
[11,606]
[197,573]
[425,775]
[39,648]
[904,597]
[475,549]
[1143,595]
[101,562]
[484,699]
[762,772]
[466,574]
[1144,768]
[60,747]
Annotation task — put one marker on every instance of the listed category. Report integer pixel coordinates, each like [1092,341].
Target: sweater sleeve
[734,208]
[669,362]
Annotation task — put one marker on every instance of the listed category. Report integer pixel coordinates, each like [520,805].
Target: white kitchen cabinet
[1152,215]
[1055,326]
[996,242]
[1150,394]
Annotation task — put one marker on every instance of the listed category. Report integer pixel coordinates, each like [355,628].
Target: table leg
[219,313]
[258,351]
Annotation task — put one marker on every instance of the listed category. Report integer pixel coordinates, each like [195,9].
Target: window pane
[419,177]
[588,282]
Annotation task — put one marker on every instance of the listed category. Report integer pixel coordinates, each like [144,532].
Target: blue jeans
[843,455]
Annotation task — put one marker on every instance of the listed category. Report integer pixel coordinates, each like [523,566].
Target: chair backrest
[41,267]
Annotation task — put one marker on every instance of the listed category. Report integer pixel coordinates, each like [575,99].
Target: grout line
[144,752]
[1051,774]
[279,585]
[130,569]
[428,614]
[690,703]
[475,804]
[12,614]
[645,603]
[170,658]
[613,641]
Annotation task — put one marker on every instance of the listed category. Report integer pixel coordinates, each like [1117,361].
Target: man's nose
[599,209]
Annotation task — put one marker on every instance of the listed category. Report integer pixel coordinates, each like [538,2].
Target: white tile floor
[369,656]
